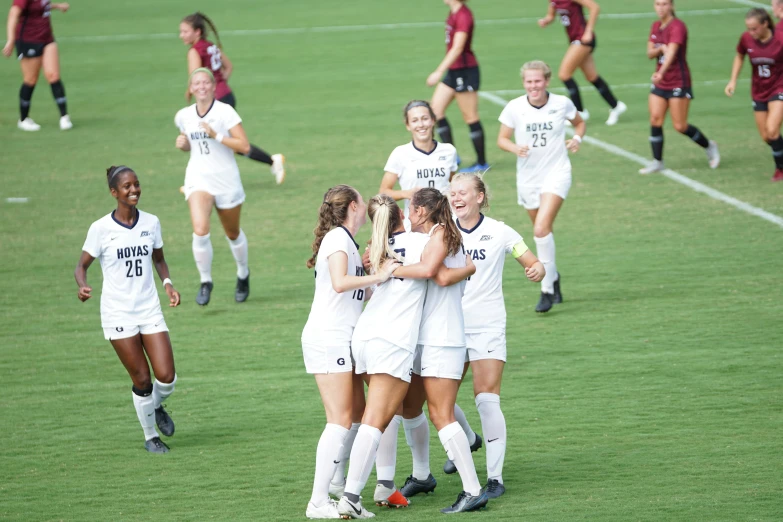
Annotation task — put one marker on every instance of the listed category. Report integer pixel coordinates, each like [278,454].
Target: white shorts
[443,362]
[529,196]
[123,332]
[326,359]
[222,201]
[381,356]
[486,345]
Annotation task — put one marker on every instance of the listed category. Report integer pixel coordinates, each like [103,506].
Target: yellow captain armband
[519,249]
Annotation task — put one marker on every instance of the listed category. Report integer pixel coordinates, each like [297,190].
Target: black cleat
[204,293]
[164,422]
[155,445]
[449,467]
[243,289]
[558,296]
[467,502]
[494,489]
[414,486]
[545,303]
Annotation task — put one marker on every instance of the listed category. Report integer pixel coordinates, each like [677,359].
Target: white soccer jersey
[394,311]
[333,315]
[416,168]
[212,166]
[487,243]
[442,321]
[129,296]
[543,130]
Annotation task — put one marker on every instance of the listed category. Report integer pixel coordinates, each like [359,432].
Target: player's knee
[141,379]
[411,412]
[541,230]
[564,76]
[167,376]
[232,235]
[52,77]
[771,134]
[680,127]
[201,229]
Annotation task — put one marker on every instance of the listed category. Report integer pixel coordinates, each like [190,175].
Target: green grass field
[653,393]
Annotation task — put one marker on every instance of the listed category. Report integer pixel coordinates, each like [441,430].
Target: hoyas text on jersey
[126,252]
[477,254]
[199,135]
[537,127]
[431,173]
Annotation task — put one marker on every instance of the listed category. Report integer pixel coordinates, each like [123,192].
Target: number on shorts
[764,71]
[565,20]
[539,141]
[203,147]
[215,60]
[129,263]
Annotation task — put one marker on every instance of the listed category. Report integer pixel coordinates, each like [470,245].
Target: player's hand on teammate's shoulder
[387,269]
[85,292]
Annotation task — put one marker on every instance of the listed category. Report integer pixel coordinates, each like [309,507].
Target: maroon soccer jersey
[213,60]
[766,60]
[461,22]
[678,75]
[572,18]
[34,23]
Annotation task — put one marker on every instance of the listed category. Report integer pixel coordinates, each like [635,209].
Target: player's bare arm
[549,18]
[236,140]
[80,274]
[460,39]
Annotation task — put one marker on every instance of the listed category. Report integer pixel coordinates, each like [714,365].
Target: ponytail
[199,20]
[331,214]
[761,16]
[385,216]
[439,212]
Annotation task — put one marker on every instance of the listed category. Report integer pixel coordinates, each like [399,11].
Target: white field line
[672,175]
[375,27]
[750,3]
[520,92]
[17,200]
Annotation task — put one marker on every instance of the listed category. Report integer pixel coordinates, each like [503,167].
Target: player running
[30,30]
[765,54]
[212,132]
[423,162]
[537,122]
[458,77]
[204,53]
[671,89]
[581,34]
[128,243]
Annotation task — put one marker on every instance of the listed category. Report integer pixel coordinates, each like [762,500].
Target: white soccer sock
[145,411]
[455,442]
[386,461]
[417,434]
[365,448]
[330,446]
[339,473]
[239,249]
[545,247]
[493,424]
[202,253]
[162,391]
[463,422]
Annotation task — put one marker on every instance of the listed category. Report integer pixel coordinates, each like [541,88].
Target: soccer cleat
[652,168]
[545,303]
[155,445]
[449,467]
[389,497]
[466,502]
[328,510]
[414,486]
[278,167]
[349,510]
[615,113]
[243,289]
[28,125]
[164,422]
[204,293]
[558,296]
[337,490]
[713,155]
[778,175]
[476,168]
[494,489]
[65,123]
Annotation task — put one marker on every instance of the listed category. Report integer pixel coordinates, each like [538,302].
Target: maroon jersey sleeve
[742,47]
[678,33]
[463,22]
[653,31]
[22,4]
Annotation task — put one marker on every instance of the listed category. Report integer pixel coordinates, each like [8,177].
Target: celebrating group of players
[432,274]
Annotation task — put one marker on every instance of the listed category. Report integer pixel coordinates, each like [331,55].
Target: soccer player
[581,34]
[340,290]
[765,53]
[423,162]
[212,132]
[671,89]
[457,76]
[204,53]
[487,241]
[128,243]
[537,123]
[30,29]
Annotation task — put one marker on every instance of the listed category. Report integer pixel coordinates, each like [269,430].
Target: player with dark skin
[131,350]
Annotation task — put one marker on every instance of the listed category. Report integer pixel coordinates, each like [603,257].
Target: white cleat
[652,168]
[328,510]
[349,510]
[28,125]
[65,123]
[278,167]
[713,155]
[615,113]
[585,114]
[389,497]
[336,490]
